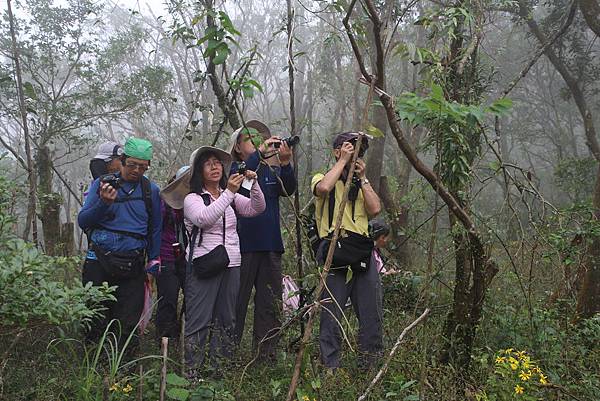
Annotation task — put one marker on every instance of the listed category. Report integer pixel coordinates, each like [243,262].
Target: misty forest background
[485,114]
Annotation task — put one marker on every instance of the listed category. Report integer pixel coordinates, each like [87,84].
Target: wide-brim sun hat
[175,193]
[260,127]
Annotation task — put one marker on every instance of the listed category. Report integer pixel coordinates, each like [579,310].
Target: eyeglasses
[213,163]
[137,166]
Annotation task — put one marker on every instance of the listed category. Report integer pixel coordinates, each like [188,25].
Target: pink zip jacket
[210,219]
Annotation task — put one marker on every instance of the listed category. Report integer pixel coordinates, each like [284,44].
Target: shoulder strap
[147,196]
[192,246]
[331,205]
[207,201]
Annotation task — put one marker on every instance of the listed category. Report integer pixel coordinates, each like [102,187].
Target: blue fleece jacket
[263,232]
[130,216]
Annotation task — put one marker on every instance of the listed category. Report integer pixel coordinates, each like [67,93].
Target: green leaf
[178,393]
[500,106]
[175,380]
[29,91]
[437,92]
[255,84]
[221,56]
[375,132]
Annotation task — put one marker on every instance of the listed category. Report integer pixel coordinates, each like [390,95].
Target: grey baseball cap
[108,151]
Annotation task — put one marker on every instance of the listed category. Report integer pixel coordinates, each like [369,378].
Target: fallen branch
[385,366]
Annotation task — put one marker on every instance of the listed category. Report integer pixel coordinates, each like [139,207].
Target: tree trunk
[398,218]
[309,124]
[31,221]
[50,202]
[225,104]
[591,12]
[588,298]
[67,239]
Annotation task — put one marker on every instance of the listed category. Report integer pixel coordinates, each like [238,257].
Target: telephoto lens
[292,140]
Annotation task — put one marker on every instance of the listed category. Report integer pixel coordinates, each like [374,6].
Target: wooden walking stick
[163,373]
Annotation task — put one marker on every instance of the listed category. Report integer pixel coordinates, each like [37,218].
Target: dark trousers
[127,308]
[365,291]
[261,270]
[168,284]
[210,312]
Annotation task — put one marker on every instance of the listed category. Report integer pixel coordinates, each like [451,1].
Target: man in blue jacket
[260,237]
[121,217]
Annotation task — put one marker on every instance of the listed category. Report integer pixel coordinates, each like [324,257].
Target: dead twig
[385,366]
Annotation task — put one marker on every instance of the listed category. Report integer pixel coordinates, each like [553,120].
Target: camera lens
[292,141]
[242,168]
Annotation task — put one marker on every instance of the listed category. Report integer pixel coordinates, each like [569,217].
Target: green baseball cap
[138,148]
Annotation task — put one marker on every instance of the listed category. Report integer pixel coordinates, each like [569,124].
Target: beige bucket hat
[261,127]
[174,193]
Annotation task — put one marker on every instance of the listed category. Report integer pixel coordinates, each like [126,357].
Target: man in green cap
[121,217]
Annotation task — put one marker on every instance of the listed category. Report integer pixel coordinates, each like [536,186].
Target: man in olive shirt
[365,287]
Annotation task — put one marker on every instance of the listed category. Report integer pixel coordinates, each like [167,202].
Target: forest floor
[46,369]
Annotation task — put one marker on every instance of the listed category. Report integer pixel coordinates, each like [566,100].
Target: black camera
[241,168]
[112,180]
[291,141]
[364,145]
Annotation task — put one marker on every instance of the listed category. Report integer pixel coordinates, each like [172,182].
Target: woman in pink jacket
[212,205]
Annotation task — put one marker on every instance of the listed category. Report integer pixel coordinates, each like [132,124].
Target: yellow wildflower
[305,398]
[525,375]
[509,350]
[114,387]
[127,388]
[519,389]
[536,369]
[500,359]
[543,379]
[514,364]
[521,355]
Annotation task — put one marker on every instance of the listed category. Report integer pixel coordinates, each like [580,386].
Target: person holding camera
[107,160]
[212,273]
[353,250]
[254,148]
[121,217]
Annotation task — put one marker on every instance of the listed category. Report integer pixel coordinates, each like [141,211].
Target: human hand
[250,175]
[360,168]
[268,145]
[285,154]
[346,152]
[107,193]
[234,182]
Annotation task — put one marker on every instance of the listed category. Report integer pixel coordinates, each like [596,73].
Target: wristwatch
[365,181]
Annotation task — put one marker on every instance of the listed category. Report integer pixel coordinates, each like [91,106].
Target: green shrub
[32,293]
